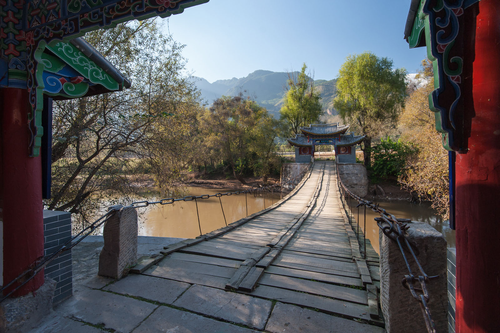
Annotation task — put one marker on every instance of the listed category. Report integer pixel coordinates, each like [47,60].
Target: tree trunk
[367,152]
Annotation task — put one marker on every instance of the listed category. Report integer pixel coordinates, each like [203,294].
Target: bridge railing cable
[38,266]
[396,230]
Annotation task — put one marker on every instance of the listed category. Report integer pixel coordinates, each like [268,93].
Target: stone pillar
[354,177]
[120,243]
[401,311]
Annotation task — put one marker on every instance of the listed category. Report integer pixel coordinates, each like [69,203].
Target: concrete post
[120,243]
[401,311]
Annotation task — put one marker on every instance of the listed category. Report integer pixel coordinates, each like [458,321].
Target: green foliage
[242,134]
[100,139]
[370,94]
[389,158]
[302,104]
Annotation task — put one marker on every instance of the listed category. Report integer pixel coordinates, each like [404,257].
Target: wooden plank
[189,277]
[322,277]
[238,276]
[352,310]
[206,259]
[229,243]
[221,251]
[250,281]
[195,267]
[269,258]
[329,256]
[375,272]
[315,269]
[316,288]
[372,301]
[318,262]
[333,248]
[306,251]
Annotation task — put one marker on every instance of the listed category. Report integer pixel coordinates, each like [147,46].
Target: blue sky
[232,38]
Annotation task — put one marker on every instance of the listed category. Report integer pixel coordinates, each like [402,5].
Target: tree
[370,94]
[302,104]
[101,141]
[242,133]
[427,170]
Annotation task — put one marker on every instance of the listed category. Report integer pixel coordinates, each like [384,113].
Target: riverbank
[387,190]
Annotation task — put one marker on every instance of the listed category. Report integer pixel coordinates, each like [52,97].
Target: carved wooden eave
[324,130]
[76,69]
[27,27]
[446,27]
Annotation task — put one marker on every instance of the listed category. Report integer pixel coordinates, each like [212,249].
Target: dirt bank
[387,190]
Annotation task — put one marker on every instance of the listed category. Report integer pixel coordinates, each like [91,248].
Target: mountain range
[267,88]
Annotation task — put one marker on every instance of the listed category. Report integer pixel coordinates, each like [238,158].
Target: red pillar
[20,192]
[478,187]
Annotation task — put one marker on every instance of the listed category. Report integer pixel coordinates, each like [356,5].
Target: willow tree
[302,103]
[370,95]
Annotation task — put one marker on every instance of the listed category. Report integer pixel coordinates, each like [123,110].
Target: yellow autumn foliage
[426,175]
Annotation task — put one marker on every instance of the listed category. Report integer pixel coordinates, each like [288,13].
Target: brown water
[405,210]
[180,219]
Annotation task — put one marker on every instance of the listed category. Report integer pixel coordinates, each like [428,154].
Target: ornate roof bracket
[447,28]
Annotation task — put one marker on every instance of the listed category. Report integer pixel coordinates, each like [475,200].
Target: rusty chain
[396,230]
[43,261]
[168,201]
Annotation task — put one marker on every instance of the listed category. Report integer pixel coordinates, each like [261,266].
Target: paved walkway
[294,268]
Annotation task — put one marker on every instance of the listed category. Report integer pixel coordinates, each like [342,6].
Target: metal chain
[42,262]
[168,201]
[396,230]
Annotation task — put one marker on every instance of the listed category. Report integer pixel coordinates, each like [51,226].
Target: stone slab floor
[140,303]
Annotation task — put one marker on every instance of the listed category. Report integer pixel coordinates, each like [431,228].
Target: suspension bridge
[296,267]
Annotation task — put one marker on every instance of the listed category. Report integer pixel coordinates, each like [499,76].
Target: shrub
[389,158]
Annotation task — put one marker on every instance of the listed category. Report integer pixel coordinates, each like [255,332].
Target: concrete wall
[347,158]
[354,177]
[301,158]
[57,231]
[292,174]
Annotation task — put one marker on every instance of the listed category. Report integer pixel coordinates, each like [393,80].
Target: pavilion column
[478,187]
[20,191]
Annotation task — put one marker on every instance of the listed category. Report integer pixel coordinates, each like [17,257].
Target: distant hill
[267,88]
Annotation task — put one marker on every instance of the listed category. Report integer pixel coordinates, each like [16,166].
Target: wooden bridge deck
[296,267]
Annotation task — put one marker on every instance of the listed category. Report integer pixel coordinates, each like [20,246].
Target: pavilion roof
[300,140]
[349,140]
[324,129]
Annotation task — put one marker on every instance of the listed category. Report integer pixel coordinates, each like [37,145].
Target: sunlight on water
[180,219]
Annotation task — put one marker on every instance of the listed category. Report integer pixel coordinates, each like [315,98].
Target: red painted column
[21,191]
[478,187]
